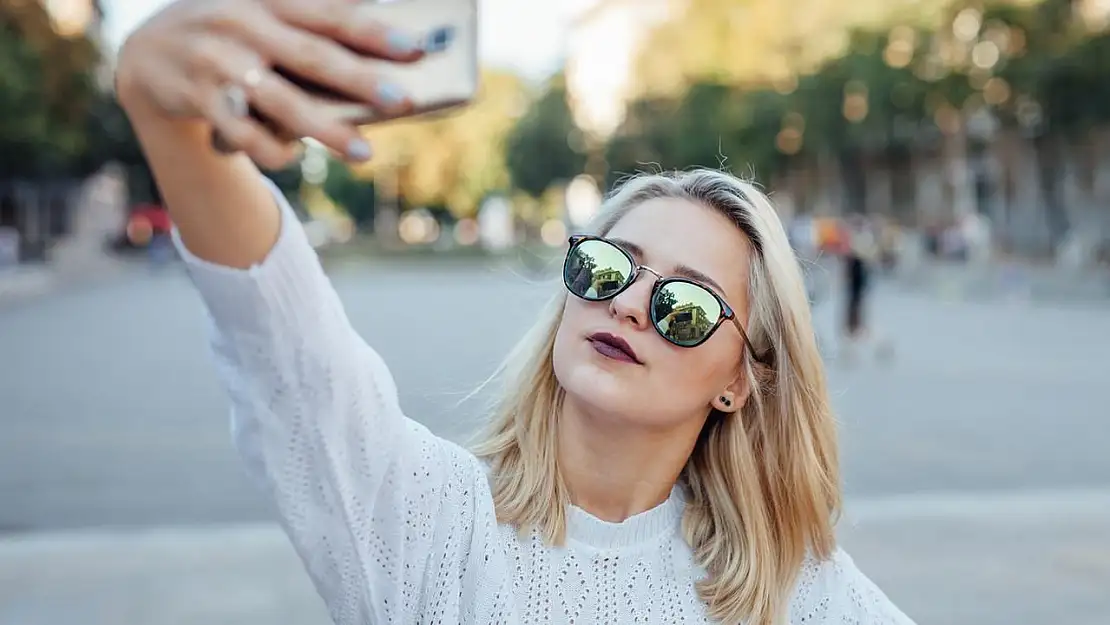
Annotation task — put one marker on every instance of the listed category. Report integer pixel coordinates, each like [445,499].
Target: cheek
[576,314]
[704,370]
[571,326]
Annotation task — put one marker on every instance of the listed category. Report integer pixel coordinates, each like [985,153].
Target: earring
[726,401]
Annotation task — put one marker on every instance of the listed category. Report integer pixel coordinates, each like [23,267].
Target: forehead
[674,232]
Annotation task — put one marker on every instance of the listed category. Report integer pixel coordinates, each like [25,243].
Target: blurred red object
[139,231]
[155,215]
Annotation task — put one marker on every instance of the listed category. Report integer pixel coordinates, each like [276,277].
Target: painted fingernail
[390,93]
[401,42]
[358,150]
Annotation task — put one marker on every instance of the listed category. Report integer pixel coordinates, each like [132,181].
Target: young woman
[665,451]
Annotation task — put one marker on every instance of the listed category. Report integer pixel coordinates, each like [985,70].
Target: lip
[606,342]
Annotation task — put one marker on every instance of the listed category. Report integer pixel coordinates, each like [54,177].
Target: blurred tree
[707,124]
[451,159]
[47,89]
[885,82]
[860,100]
[644,140]
[870,95]
[109,137]
[1048,84]
[288,180]
[759,42]
[545,147]
[769,86]
[1064,67]
[357,196]
[758,149]
[712,125]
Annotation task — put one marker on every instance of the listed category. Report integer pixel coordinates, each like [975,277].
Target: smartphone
[447,77]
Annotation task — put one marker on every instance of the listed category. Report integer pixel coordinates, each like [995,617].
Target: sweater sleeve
[836,592]
[393,524]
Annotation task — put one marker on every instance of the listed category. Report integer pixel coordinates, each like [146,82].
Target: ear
[733,397]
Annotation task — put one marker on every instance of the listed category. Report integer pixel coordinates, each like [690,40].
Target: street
[975,462]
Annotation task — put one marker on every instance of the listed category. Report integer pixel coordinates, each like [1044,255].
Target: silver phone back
[448,75]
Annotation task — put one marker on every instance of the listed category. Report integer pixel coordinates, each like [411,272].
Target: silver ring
[235,99]
[236,96]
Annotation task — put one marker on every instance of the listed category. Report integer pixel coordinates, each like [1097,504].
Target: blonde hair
[762,485]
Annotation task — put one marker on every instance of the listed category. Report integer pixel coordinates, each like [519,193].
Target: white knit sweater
[396,525]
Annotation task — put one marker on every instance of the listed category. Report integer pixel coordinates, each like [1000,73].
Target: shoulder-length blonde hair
[762,485]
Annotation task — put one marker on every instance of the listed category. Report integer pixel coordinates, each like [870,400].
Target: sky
[526,36]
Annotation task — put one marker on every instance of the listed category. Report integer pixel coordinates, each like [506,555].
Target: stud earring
[726,401]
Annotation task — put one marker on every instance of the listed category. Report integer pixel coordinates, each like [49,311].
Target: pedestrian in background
[861,259]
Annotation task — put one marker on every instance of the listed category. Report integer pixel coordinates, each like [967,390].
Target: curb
[20,284]
[48,281]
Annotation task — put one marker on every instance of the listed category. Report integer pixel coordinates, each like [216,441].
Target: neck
[614,469]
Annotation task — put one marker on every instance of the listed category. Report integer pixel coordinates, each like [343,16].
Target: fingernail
[401,42]
[358,150]
[390,93]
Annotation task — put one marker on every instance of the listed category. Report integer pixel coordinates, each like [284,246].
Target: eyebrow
[685,271]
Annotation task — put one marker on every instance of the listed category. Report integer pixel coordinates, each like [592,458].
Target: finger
[284,111]
[237,133]
[286,107]
[350,23]
[320,64]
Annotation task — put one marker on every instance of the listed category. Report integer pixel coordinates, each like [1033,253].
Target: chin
[589,383]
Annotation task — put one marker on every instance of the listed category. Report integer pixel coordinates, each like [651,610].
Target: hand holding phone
[445,77]
[217,61]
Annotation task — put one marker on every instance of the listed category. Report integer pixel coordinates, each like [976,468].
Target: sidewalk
[1019,282]
[957,559]
[1036,558]
[25,282]
[81,257]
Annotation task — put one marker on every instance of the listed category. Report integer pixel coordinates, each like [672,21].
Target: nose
[632,303]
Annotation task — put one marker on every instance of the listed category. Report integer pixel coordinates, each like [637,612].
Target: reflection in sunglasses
[598,274]
[686,322]
[684,313]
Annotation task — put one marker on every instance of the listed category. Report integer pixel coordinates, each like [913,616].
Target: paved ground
[1013,281]
[975,463]
[24,282]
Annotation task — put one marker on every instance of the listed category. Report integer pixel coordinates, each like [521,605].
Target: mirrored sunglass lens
[684,313]
[596,270]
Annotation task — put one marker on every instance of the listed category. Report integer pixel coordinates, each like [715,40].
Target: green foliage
[895,88]
[48,95]
[356,196]
[542,150]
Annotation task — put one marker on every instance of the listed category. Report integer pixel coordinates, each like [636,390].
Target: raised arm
[387,518]
[173,79]
[391,522]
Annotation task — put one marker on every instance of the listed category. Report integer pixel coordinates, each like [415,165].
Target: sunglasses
[683,311]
